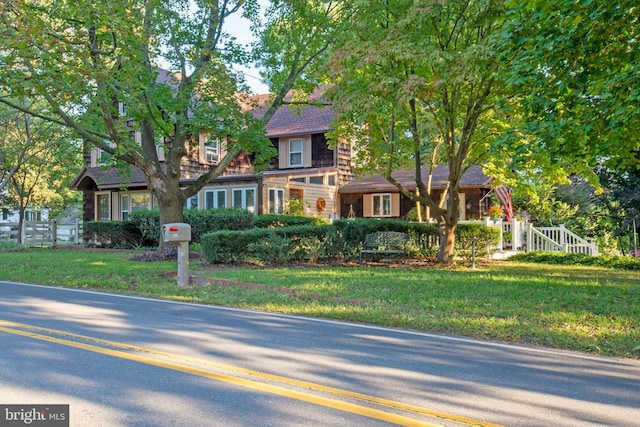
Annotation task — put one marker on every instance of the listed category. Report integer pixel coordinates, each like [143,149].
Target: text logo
[34,415]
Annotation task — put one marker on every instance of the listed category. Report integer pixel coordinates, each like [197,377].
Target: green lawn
[587,309]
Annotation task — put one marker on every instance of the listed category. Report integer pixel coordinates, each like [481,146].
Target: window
[103,203]
[212,151]
[5,214]
[133,202]
[301,179]
[32,215]
[276,200]
[215,199]
[244,198]
[295,152]
[381,204]
[331,180]
[318,180]
[211,148]
[192,202]
[122,109]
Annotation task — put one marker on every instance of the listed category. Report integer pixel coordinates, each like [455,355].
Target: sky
[239,27]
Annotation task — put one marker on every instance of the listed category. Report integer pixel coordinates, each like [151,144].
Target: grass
[582,308]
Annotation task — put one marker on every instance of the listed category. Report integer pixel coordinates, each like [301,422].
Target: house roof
[292,120]
[473,178]
[109,178]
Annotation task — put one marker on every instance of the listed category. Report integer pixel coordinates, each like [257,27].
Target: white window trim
[187,202]
[276,200]
[244,198]
[129,209]
[214,198]
[284,152]
[381,197]
[290,152]
[218,153]
[211,152]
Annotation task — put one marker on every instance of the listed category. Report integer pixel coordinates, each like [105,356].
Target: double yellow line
[185,364]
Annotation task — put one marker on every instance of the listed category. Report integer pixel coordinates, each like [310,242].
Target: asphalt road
[121,361]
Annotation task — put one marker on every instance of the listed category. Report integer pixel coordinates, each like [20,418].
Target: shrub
[235,246]
[278,221]
[201,222]
[205,221]
[148,222]
[11,246]
[351,233]
[272,249]
[607,261]
[227,246]
[115,233]
[486,239]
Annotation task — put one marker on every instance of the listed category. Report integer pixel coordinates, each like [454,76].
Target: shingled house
[306,168]
[375,197]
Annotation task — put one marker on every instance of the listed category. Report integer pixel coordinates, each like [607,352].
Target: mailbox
[177,232]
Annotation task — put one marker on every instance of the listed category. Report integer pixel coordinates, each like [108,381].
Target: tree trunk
[448,224]
[447,242]
[171,200]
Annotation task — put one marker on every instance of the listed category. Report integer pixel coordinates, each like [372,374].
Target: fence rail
[42,233]
[558,239]
[516,236]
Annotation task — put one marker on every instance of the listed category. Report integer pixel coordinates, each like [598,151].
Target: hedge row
[143,227]
[344,238]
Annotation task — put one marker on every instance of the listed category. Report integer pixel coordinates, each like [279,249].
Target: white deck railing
[516,236]
[557,239]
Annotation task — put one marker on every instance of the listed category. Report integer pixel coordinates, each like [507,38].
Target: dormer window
[295,152]
[212,151]
[212,148]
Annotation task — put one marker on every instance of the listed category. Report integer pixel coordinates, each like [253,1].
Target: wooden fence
[43,233]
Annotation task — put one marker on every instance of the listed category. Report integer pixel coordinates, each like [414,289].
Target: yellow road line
[348,407]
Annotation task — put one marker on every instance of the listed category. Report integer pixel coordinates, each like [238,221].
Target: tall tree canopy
[83,57]
[574,78]
[414,75]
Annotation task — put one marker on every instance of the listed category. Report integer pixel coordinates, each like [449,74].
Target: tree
[573,77]
[86,58]
[21,141]
[415,75]
[42,159]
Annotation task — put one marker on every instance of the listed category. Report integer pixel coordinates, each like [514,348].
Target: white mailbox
[177,232]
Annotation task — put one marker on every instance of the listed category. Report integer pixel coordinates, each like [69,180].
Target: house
[8,215]
[375,197]
[307,168]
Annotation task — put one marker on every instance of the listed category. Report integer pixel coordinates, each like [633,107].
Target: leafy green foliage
[419,81]
[11,246]
[621,262]
[230,245]
[274,249]
[122,234]
[478,237]
[573,78]
[276,220]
